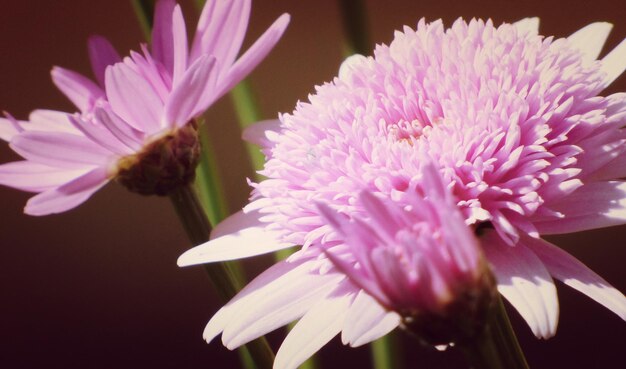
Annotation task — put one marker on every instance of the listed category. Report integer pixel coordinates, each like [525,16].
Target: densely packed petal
[516,127]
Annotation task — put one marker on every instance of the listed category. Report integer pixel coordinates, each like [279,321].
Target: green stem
[143,10]
[386,352]
[248,112]
[496,347]
[209,188]
[225,281]
[354,18]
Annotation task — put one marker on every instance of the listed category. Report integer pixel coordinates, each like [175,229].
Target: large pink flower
[518,130]
[136,102]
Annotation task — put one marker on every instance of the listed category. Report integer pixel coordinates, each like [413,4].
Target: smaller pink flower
[420,260]
[142,110]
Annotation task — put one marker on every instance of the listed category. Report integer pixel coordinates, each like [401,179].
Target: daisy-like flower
[137,123]
[516,126]
[421,261]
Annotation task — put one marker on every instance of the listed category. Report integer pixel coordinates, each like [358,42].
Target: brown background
[98,287]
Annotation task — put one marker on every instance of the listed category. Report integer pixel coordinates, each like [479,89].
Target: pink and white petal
[258,132]
[8,129]
[594,205]
[82,91]
[590,39]
[577,275]
[193,93]
[211,19]
[614,169]
[349,65]
[69,195]
[253,56]
[60,149]
[101,54]
[320,324]
[100,135]
[367,321]
[133,99]
[614,63]
[51,121]
[358,276]
[291,298]
[211,36]
[235,25]
[162,34]
[272,275]
[123,132]
[527,25]
[34,177]
[525,282]
[179,35]
[247,237]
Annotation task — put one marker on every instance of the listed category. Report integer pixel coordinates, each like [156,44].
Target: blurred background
[98,286]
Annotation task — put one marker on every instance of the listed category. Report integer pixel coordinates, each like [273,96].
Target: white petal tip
[530,25]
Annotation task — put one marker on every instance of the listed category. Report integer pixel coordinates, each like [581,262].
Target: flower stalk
[222,275]
[496,347]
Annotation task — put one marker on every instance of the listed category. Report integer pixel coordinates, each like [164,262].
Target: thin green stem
[222,276]
[354,19]
[385,353]
[209,187]
[248,112]
[497,346]
[143,10]
[199,4]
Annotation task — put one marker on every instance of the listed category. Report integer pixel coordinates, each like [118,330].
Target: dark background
[98,286]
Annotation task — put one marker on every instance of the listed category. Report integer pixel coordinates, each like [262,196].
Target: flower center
[405,130]
[165,164]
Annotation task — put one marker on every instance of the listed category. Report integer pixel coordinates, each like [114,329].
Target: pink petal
[35,177]
[594,205]
[292,296]
[614,63]
[314,330]
[247,237]
[79,89]
[575,274]
[162,34]
[272,275]
[367,321]
[133,99]
[590,39]
[101,54]
[221,29]
[100,135]
[60,149]
[69,195]
[179,35]
[192,95]
[8,129]
[258,132]
[528,25]
[227,48]
[50,120]
[525,282]
[253,56]
[122,131]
